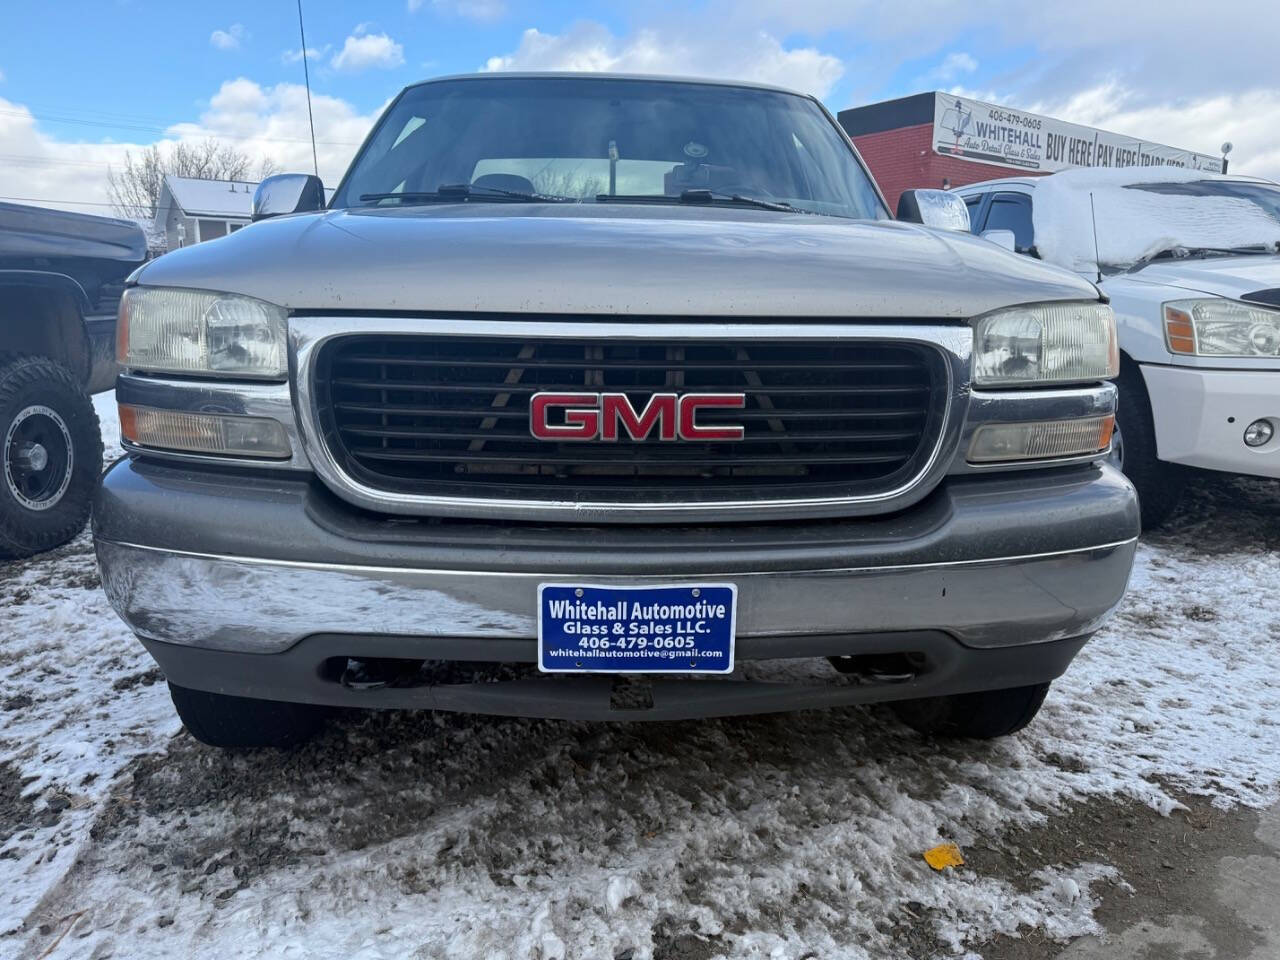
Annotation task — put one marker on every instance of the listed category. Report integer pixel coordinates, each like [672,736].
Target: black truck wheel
[979,716]
[1159,484]
[50,457]
[224,721]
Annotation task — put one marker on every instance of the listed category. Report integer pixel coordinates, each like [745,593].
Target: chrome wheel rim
[38,457]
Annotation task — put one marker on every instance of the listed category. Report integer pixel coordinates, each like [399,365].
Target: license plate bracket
[665,628]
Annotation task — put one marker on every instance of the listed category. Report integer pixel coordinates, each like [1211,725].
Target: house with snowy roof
[191,210]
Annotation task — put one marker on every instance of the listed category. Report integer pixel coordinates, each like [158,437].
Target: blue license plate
[673,628]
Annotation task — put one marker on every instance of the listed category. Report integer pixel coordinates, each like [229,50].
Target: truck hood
[639,260]
[1231,277]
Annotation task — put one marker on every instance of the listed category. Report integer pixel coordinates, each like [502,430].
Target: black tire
[1159,484]
[977,716]
[45,418]
[225,721]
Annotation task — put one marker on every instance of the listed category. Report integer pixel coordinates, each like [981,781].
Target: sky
[81,83]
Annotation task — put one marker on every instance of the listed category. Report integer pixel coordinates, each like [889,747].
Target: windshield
[597,140]
[1264,196]
[1089,220]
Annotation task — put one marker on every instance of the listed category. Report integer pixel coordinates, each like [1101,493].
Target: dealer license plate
[672,628]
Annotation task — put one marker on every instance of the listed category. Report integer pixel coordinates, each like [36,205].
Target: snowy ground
[452,836]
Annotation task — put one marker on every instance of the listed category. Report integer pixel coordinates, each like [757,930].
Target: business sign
[986,133]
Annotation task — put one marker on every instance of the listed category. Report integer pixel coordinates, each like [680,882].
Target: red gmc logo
[607,416]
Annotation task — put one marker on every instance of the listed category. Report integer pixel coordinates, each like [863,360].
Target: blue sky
[142,62]
[81,82]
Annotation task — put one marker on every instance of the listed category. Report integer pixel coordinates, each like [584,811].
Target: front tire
[220,720]
[1159,484]
[50,455]
[977,716]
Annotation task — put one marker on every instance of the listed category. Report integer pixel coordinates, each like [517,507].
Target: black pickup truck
[61,276]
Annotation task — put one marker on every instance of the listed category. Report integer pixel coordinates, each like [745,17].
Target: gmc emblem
[607,416]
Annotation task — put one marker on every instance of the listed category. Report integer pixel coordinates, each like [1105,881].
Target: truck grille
[449,415]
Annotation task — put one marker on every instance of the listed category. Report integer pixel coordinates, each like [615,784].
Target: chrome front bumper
[256,566]
[266,606]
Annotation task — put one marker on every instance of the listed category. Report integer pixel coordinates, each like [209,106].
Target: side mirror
[940,209]
[288,193]
[1002,238]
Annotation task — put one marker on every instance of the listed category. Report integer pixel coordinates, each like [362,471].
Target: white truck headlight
[1051,343]
[1221,328]
[163,330]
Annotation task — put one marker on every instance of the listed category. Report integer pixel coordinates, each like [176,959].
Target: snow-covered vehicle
[61,276]
[1191,264]
[593,380]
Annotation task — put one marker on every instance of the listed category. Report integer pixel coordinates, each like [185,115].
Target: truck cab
[1191,265]
[61,278]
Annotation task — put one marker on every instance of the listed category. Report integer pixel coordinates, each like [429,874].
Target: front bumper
[250,585]
[1200,417]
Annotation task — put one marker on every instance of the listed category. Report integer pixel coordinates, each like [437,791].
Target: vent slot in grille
[449,415]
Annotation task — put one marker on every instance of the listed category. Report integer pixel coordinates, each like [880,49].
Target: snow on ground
[420,835]
[78,701]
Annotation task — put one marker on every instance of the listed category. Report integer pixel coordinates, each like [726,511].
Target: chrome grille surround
[951,344]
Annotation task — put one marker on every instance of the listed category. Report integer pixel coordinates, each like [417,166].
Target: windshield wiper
[453,192]
[698,195]
[1202,251]
[1182,253]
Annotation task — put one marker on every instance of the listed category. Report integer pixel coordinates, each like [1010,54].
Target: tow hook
[881,667]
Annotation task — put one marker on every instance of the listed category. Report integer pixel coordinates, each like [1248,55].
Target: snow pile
[1136,224]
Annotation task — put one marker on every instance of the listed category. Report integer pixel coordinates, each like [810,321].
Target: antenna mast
[306,73]
[1093,214]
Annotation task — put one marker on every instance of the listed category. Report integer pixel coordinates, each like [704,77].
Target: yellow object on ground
[944,855]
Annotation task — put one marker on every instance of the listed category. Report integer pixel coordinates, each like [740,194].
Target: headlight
[1221,328]
[191,331]
[1054,343]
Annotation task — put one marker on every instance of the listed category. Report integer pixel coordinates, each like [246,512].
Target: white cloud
[362,50]
[229,39]
[952,66]
[1250,120]
[480,10]
[1064,46]
[268,121]
[272,121]
[1,76]
[313,53]
[753,55]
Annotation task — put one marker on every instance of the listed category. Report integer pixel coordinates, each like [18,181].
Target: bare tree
[567,183]
[135,188]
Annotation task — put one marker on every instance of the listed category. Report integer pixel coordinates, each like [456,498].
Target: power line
[165,130]
[76,203]
[25,159]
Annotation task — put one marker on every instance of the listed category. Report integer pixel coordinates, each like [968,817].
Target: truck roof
[591,75]
[1154,178]
[71,234]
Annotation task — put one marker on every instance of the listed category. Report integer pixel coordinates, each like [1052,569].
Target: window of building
[209,229]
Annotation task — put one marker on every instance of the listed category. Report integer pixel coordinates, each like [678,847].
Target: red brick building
[937,139]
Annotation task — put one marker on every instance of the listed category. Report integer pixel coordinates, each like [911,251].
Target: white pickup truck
[1191,264]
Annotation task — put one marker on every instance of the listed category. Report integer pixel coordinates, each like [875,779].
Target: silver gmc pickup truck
[605,398]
